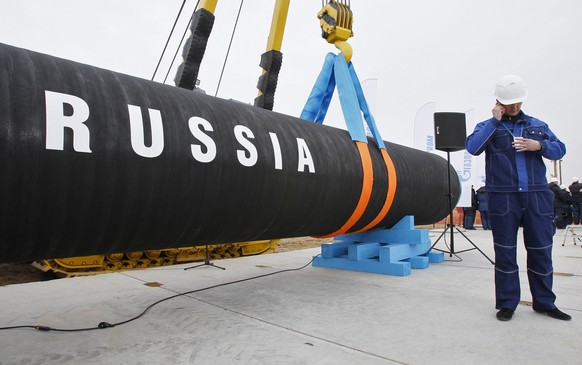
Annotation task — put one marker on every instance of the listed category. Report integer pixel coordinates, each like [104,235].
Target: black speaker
[449,131]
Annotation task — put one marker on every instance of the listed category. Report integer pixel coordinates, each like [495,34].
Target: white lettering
[68,111]
[57,121]
[240,132]
[305,158]
[276,151]
[196,125]
[137,133]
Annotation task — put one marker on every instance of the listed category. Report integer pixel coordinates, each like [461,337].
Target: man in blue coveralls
[514,144]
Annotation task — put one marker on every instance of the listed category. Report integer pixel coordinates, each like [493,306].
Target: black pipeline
[95,162]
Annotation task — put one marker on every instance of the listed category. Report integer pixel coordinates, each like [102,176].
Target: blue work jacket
[505,169]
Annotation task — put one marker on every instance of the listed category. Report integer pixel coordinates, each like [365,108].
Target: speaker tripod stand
[451,226]
[206,262]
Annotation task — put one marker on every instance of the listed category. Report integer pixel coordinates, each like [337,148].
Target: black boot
[555,313]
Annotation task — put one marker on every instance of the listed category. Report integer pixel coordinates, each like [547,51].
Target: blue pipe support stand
[393,251]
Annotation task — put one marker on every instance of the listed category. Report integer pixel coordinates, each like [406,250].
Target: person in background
[470,212]
[483,206]
[555,188]
[576,192]
[566,200]
[562,204]
[515,145]
[461,216]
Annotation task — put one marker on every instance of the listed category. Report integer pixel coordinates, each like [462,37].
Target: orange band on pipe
[367,182]
[390,194]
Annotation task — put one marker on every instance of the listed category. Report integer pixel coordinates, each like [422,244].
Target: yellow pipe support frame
[209,5]
[278,22]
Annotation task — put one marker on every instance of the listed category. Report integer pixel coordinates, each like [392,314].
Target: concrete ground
[440,315]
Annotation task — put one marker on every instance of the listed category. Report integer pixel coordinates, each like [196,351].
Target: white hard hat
[574,179]
[563,186]
[554,179]
[510,89]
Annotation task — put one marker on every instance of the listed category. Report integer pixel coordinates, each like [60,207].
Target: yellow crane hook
[336,19]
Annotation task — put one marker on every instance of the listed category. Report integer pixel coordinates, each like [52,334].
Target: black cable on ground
[103,325]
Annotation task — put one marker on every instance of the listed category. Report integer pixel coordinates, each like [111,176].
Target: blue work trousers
[534,211]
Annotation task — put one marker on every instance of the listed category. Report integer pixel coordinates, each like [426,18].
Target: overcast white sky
[449,52]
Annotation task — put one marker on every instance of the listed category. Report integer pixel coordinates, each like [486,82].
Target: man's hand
[498,111]
[525,144]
